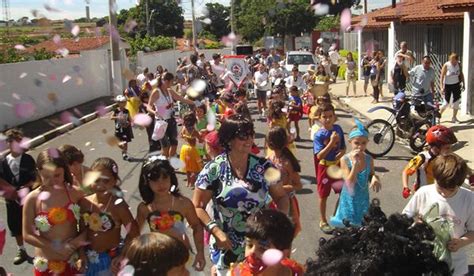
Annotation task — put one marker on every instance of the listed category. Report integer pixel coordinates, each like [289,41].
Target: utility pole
[232,30]
[365,6]
[194,24]
[147,18]
[114,48]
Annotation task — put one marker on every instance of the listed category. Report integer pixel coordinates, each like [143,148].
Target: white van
[302,58]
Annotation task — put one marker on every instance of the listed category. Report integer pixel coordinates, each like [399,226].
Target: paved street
[389,168]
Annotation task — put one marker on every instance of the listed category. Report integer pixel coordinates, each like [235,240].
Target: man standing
[407,55]
[334,57]
[261,81]
[423,77]
[272,57]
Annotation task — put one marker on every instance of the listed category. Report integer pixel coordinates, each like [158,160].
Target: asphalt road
[91,139]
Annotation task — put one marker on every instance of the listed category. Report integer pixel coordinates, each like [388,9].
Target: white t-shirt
[261,79]
[334,56]
[459,209]
[14,164]
[276,73]
[452,73]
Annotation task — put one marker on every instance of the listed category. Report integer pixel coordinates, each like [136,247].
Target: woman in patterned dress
[236,184]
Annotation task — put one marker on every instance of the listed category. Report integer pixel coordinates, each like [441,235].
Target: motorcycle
[410,118]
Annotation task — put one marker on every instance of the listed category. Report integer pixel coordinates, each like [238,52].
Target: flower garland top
[99,221]
[163,221]
[44,220]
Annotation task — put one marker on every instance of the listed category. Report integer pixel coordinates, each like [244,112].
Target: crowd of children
[77,222]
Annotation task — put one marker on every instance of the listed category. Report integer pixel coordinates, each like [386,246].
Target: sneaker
[21,257]
[125,156]
[326,228]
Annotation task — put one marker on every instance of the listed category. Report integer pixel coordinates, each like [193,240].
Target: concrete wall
[467,102]
[168,58]
[31,83]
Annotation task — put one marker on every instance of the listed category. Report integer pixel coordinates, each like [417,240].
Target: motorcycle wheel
[418,136]
[381,138]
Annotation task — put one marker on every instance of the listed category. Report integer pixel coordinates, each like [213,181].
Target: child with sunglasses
[189,153]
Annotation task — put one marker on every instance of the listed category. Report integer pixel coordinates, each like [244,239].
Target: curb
[45,137]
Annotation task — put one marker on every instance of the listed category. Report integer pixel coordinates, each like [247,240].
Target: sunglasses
[245,135]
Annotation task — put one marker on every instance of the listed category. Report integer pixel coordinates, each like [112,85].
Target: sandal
[326,228]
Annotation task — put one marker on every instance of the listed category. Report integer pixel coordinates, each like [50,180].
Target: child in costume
[267,230]
[295,110]
[123,125]
[189,153]
[439,139]
[358,170]
[288,165]
[104,212]
[165,210]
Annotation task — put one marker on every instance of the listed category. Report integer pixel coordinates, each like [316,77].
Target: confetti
[320,40]
[206,21]
[90,178]
[20,47]
[101,110]
[25,143]
[210,127]
[75,30]
[176,163]
[130,25]
[272,257]
[66,117]
[127,270]
[118,201]
[112,141]
[57,39]
[345,19]
[142,119]
[66,78]
[44,195]
[334,171]
[24,109]
[52,97]
[63,52]
[16,96]
[22,75]
[53,152]
[272,175]
[305,181]
[42,74]
[321,9]
[22,193]
[52,77]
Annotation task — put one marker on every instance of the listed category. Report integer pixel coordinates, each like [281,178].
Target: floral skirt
[44,267]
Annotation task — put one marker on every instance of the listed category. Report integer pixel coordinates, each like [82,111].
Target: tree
[166,18]
[248,16]
[220,20]
[328,23]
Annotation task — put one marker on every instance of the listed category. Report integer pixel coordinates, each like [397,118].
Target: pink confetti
[57,39]
[77,112]
[20,47]
[75,30]
[16,96]
[142,119]
[272,257]
[128,227]
[63,52]
[53,152]
[229,86]
[44,195]
[22,75]
[321,9]
[66,117]
[101,110]
[53,77]
[24,109]
[25,143]
[22,193]
[210,127]
[345,19]
[66,78]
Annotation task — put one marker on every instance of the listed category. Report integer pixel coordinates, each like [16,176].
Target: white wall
[168,58]
[467,63]
[46,76]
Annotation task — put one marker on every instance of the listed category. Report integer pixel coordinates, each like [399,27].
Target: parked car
[302,58]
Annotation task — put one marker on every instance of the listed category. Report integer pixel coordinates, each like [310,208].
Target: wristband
[210,225]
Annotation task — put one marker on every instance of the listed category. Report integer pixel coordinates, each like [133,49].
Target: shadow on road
[380,169]
[304,191]
[405,158]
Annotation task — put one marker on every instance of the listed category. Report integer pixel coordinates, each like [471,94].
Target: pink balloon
[101,111]
[272,257]
[53,152]
[345,19]
[44,196]
[24,109]
[142,119]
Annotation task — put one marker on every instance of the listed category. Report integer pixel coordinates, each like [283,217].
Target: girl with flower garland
[53,211]
[103,213]
[165,209]
[189,153]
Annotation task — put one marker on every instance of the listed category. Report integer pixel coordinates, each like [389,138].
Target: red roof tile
[408,11]
[457,5]
[73,46]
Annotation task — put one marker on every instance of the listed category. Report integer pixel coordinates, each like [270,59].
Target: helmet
[120,99]
[440,135]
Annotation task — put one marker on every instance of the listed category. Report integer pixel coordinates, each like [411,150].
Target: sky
[72,9]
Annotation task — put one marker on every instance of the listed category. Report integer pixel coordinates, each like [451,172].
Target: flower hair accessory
[153,158]
[360,131]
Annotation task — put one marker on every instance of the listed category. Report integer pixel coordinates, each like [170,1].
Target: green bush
[213,45]
[188,34]
[342,69]
[150,44]
[11,55]
[207,34]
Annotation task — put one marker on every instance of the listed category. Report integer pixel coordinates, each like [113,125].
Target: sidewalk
[464,130]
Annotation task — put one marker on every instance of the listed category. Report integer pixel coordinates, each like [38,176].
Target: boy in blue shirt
[329,147]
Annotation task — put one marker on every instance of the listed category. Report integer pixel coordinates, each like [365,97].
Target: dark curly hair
[382,246]
[232,127]
[154,169]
